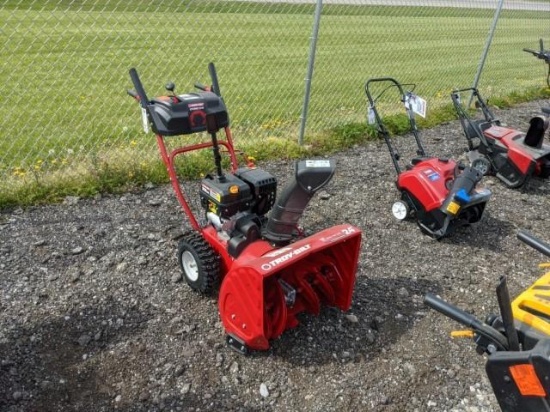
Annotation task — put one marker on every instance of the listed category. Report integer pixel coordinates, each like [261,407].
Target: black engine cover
[225,196]
[263,186]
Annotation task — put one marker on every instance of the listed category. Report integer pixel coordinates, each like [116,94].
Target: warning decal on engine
[211,192]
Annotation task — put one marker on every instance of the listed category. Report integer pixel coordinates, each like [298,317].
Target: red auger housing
[248,242]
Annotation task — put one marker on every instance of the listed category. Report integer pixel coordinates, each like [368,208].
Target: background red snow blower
[542,54]
[438,192]
[267,269]
[517,342]
[514,157]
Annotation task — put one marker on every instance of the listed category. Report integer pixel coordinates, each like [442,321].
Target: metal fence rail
[64,66]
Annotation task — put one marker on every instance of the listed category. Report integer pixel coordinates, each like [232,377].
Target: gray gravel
[94,315]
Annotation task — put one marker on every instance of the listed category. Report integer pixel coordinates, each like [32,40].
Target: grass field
[68,126]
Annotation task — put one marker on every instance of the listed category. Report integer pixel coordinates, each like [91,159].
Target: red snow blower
[514,157]
[517,342]
[268,271]
[439,193]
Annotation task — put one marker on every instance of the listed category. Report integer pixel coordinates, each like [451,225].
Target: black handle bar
[467,320]
[133,93]
[143,101]
[451,311]
[535,243]
[202,87]
[214,77]
[380,80]
[215,88]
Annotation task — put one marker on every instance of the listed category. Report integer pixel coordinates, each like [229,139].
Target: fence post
[487,47]
[311,60]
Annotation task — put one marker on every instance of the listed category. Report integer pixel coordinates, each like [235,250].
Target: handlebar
[380,80]
[202,87]
[467,320]
[467,89]
[535,243]
[140,91]
[451,311]
[215,88]
[133,94]
[214,77]
[539,54]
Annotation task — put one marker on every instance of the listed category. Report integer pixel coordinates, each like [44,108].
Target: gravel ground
[94,315]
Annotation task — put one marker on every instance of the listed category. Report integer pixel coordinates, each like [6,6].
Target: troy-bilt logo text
[276,262]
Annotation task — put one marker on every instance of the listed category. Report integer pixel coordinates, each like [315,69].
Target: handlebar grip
[202,87]
[535,243]
[214,77]
[139,88]
[452,311]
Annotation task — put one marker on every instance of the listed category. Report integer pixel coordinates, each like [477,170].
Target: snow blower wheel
[199,263]
[482,165]
[400,210]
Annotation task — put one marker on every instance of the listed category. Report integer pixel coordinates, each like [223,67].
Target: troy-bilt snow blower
[268,269]
[438,193]
[514,157]
[544,55]
[517,342]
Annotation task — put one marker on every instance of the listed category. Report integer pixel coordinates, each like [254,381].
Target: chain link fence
[64,69]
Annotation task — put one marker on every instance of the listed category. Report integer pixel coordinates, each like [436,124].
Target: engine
[237,204]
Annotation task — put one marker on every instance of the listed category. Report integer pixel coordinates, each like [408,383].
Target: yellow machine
[517,342]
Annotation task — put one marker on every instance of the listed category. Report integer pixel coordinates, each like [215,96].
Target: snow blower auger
[439,193]
[514,157]
[268,271]
[544,55]
[517,342]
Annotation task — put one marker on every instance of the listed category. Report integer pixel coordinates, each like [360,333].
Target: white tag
[417,105]
[317,163]
[371,117]
[144,120]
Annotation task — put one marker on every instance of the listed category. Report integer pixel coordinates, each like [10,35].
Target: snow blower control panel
[187,113]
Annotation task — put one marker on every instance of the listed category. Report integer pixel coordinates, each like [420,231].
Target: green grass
[68,126]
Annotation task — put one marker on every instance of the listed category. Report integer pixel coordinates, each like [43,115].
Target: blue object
[462,196]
